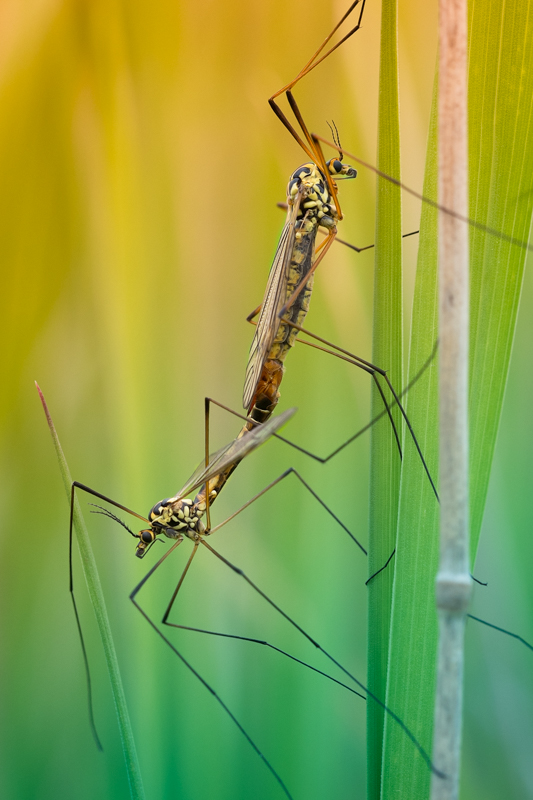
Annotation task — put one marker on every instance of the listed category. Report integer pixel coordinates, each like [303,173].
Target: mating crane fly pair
[312,199]
[312,204]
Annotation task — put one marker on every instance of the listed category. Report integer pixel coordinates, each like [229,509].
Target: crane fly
[312,200]
[309,206]
[178,518]
[312,204]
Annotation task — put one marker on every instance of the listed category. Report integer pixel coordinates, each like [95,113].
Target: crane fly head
[157,517]
[340,170]
[335,165]
[146,537]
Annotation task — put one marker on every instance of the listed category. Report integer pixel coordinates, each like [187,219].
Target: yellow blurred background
[140,169]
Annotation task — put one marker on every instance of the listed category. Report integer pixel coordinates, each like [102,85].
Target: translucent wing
[273,301]
[233,452]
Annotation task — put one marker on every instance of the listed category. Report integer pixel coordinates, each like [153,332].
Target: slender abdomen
[267,393]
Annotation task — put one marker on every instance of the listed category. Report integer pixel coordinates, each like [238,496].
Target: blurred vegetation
[140,167]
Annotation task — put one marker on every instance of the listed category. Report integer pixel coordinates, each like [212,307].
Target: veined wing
[233,452]
[273,301]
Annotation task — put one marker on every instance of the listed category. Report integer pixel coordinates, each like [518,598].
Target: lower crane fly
[178,518]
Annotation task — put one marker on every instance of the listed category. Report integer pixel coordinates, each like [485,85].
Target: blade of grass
[501,178]
[501,195]
[387,353]
[97,599]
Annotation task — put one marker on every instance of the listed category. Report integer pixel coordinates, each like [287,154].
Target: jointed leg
[77,485]
[298,627]
[78,625]
[314,456]
[291,471]
[247,638]
[284,207]
[207,504]
[194,672]
[310,145]
[357,361]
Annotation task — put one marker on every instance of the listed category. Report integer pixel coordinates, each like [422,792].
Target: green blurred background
[140,168]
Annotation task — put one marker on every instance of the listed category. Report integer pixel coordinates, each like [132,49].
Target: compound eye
[336,164]
[147,536]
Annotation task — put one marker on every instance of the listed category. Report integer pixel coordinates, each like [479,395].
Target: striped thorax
[175,518]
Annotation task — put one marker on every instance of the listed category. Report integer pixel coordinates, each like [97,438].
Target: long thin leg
[313,62]
[314,456]
[504,237]
[501,630]
[481,583]
[235,636]
[291,471]
[310,145]
[207,504]
[304,633]
[78,625]
[371,372]
[368,369]
[274,483]
[254,314]
[288,472]
[189,666]
[271,647]
[284,207]
[367,365]
[365,428]
[385,565]
[88,490]
[368,246]
[180,582]
[83,487]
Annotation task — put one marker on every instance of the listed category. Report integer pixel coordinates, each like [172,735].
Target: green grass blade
[501,183]
[501,178]
[97,599]
[387,353]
